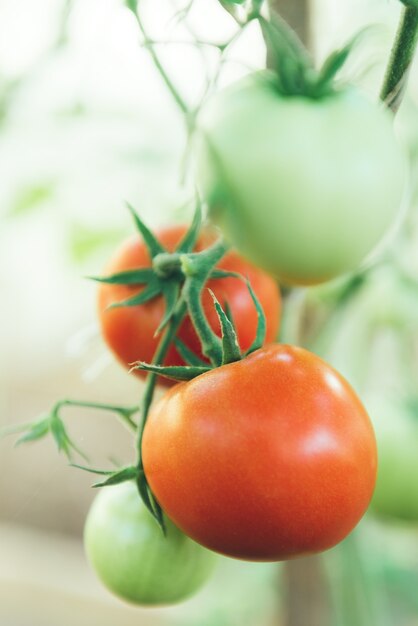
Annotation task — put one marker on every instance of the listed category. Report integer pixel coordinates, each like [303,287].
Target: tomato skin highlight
[303,188]
[129,331]
[133,558]
[265,459]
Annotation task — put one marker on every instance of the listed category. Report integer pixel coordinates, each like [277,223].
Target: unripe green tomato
[304,188]
[133,558]
[396,493]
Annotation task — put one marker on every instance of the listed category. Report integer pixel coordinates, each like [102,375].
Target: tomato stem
[197,269]
[297,15]
[163,347]
[166,264]
[149,44]
[125,413]
[400,60]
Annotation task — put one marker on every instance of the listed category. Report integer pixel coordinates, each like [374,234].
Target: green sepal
[228,313]
[173,372]
[230,349]
[153,245]
[92,470]
[334,62]
[218,273]
[190,238]
[152,290]
[261,331]
[287,56]
[188,355]
[120,476]
[36,431]
[63,441]
[129,277]
[149,499]
[170,291]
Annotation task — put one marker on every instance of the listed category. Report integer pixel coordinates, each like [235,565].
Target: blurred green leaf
[31,198]
[84,241]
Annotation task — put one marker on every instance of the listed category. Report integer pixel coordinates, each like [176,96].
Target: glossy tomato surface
[129,331]
[304,188]
[133,558]
[268,458]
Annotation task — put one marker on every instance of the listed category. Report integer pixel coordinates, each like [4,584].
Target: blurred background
[86,124]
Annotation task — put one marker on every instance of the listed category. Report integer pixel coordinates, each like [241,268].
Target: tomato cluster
[263,452]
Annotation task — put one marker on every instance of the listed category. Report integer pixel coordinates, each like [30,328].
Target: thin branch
[148,43]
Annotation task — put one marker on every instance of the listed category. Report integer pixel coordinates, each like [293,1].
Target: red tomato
[129,331]
[267,458]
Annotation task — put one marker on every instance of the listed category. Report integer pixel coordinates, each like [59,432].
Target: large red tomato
[129,331]
[267,458]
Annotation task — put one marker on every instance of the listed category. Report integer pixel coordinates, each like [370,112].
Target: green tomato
[304,188]
[133,558]
[396,493]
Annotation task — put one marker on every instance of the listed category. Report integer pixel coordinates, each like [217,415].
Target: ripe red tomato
[267,458]
[129,331]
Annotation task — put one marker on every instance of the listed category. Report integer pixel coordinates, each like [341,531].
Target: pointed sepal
[154,247]
[218,273]
[173,372]
[261,331]
[129,277]
[120,476]
[190,238]
[152,290]
[230,348]
[170,291]
[36,431]
[62,439]
[149,500]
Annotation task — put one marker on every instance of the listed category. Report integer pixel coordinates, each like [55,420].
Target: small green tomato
[133,558]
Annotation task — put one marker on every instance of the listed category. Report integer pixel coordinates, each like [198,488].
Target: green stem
[400,60]
[197,269]
[168,82]
[163,347]
[125,413]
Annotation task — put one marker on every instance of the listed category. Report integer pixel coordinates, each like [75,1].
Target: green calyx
[164,276]
[219,351]
[293,67]
[182,275]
